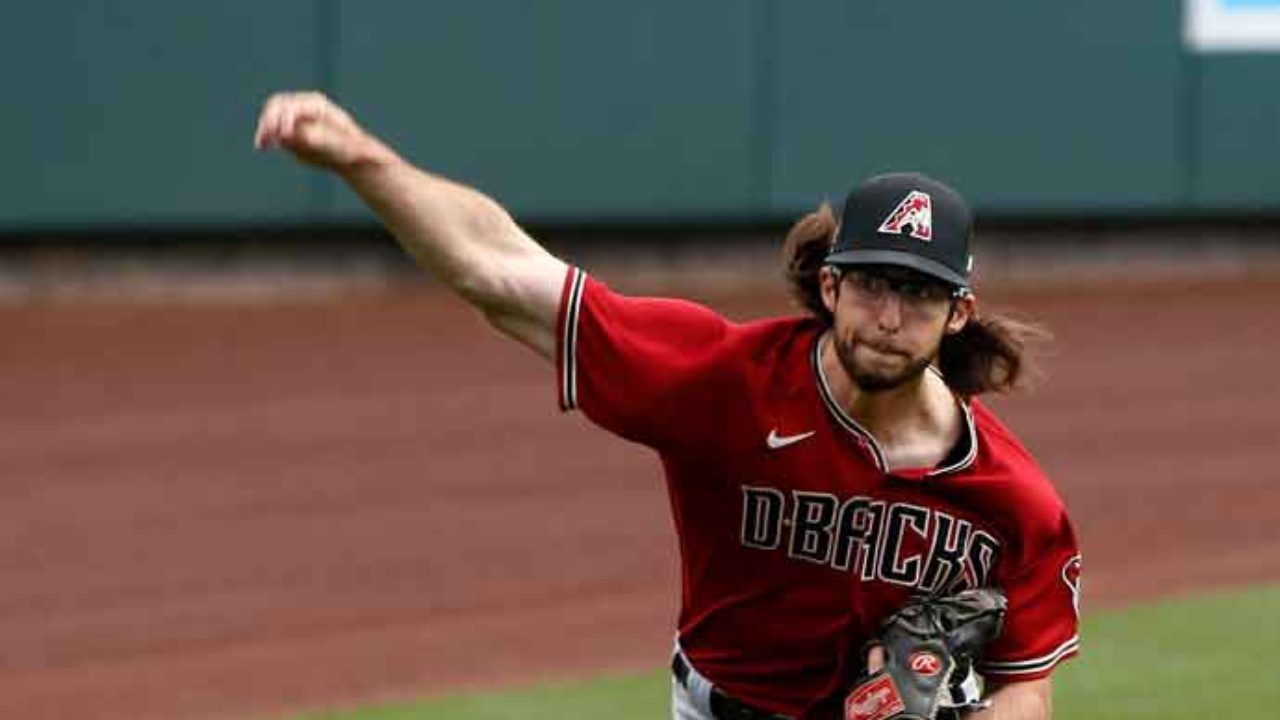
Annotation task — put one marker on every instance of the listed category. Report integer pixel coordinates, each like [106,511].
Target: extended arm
[459,235]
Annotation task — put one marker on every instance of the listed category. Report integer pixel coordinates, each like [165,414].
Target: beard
[874,380]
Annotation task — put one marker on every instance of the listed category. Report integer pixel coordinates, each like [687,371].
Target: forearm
[460,236]
[1019,701]
[463,238]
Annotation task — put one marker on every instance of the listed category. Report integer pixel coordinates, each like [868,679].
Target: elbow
[489,289]
[477,290]
[495,251]
[476,274]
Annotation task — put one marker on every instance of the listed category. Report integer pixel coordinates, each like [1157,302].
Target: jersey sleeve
[1042,625]
[643,368]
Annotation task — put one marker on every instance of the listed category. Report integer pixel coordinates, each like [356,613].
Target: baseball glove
[930,645]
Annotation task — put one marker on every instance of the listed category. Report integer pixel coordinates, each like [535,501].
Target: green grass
[1200,657]
[1193,658]
[641,696]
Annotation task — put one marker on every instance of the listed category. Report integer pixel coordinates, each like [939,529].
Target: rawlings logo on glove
[875,699]
[930,648]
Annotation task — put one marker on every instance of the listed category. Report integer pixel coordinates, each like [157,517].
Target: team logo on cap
[915,211]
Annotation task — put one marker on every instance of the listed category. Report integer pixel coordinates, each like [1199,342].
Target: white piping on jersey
[828,399]
[848,423]
[569,342]
[1034,665]
[970,427]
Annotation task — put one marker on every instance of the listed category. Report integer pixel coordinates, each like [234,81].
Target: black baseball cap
[909,220]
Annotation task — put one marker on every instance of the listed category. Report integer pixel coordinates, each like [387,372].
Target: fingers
[300,108]
[261,139]
[313,129]
[281,115]
[268,132]
[284,125]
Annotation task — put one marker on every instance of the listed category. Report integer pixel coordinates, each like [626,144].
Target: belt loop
[698,686]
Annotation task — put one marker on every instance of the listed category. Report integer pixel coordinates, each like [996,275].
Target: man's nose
[890,316]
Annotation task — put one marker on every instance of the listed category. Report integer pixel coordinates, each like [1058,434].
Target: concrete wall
[141,112]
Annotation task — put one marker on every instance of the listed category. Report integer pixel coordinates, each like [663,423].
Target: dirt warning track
[227,512]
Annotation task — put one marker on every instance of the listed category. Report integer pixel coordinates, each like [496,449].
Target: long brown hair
[987,355]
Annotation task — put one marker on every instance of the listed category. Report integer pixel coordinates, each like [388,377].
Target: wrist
[370,157]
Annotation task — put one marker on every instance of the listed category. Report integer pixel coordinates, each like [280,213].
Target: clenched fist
[316,131]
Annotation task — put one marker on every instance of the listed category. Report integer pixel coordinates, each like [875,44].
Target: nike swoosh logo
[776,441]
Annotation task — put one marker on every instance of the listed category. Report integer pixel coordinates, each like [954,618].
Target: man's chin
[876,383]
[878,372]
[874,371]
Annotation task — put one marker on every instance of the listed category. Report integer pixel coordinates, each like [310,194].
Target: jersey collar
[960,458]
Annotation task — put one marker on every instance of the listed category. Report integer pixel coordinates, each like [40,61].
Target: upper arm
[520,296]
[470,243]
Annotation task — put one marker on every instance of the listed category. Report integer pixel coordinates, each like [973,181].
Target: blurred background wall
[667,111]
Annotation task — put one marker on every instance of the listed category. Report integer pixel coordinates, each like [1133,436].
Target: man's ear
[962,311]
[829,282]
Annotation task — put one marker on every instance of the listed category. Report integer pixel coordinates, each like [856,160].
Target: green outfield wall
[666,111]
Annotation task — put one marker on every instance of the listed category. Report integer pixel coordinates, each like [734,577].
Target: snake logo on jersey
[898,543]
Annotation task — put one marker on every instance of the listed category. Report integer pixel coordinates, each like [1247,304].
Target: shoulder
[768,356]
[593,299]
[1014,481]
[681,341]
[1002,456]
[765,339]
[583,290]
[752,361]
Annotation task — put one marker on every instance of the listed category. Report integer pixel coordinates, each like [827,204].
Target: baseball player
[823,469]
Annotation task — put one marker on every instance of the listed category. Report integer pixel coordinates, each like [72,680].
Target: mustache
[882,347]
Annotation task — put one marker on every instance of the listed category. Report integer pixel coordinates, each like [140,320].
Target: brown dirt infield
[230,511]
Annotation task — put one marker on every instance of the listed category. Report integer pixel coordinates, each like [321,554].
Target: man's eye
[915,290]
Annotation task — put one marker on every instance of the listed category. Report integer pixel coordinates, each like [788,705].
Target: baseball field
[243,509]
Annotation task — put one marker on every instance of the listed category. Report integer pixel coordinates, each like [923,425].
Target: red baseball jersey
[795,540]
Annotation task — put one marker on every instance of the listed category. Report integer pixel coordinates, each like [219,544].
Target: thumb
[875,659]
[317,142]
